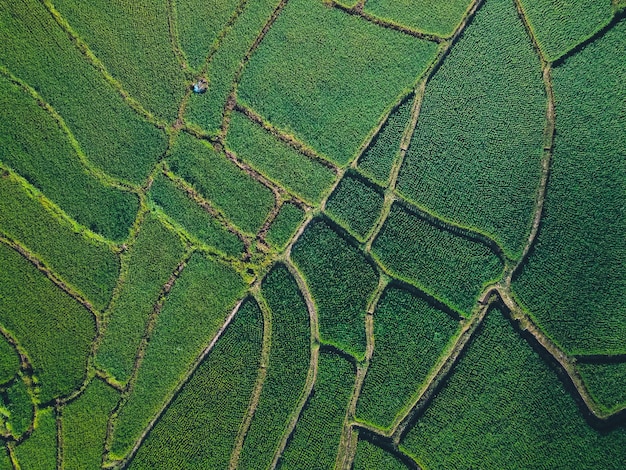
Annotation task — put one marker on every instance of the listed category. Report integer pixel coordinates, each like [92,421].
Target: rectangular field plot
[370,457]
[109,132]
[277,160]
[40,449]
[243,200]
[284,225]
[606,383]
[312,77]
[447,265]
[84,262]
[199,429]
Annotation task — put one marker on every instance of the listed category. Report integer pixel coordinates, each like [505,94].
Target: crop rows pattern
[388,235]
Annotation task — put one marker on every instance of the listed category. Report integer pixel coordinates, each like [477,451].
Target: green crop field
[312,234]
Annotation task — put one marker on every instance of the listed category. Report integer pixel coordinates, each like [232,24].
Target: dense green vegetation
[576,270]
[315,440]
[409,336]
[197,305]
[9,361]
[450,266]
[39,451]
[379,157]
[109,132]
[287,370]
[55,330]
[355,204]
[36,147]
[278,161]
[19,405]
[330,97]
[371,457]
[504,407]
[198,429]
[475,156]
[243,200]
[284,225]
[605,383]
[341,281]
[84,426]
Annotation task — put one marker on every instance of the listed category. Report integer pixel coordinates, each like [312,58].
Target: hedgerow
[371,457]
[245,201]
[284,225]
[475,156]
[341,282]
[9,361]
[108,130]
[315,441]
[409,336]
[194,310]
[286,372]
[312,77]
[199,429]
[277,160]
[40,449]
[89,265]
[55,330]
[573,283]
[504,407]
[18,403]
[605,383]
[36,147]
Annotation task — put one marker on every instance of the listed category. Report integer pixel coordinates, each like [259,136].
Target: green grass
[449,266]
[284,225]
[193,218]
[378,159]
[315,441]
[20,407]
[560,25]
[427,16]
[573,283]
[605,383]
[475,157]
[39,451]
[355,205]
[341,282]
[199,24]
[504,407]
[243,200]
[36,147]
[287,370]
[196,307]
[198,430]
[206,110]
[132,40]
[278,161]
[84,426]
[313,77]
[9,361]
[148,265]
[409,337]
[53,328]
[371,457]
[89,265]
[109,132]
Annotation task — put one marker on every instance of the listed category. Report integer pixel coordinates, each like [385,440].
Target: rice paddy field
[312,234]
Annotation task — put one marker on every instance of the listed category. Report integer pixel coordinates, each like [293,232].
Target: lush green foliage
[450,266]
[315,441]
[193,218]
[427,16]
[284,225]
[475,157]
[39,451]
[82,261]
[341,281]
[356,205]
[409,336]
[40,53]
[287,370]
[371,457]
[9,361]
[132,40]
[379,157]
[19,405]
[198,430]
[605,383]
[36,147]
[313,77]
[576,270]
[243,200]
[5,460]
[561,25]
[278,161]
[53,328]
[195,309]
[504,407]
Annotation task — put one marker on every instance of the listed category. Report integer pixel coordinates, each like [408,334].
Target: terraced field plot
[387,235]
